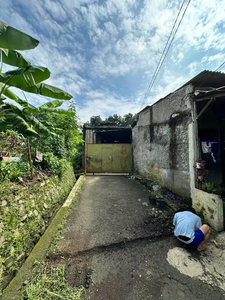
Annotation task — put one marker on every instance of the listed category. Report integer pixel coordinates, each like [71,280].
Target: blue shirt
[186,223]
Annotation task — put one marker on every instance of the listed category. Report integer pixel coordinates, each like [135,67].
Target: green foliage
[53,164]
[121,121]
[49,283]
[68,143]
[25,212]
[12,170]
[77,157]
[27,78]
[48,91]
[14,58]
[11,38]
[26,118]
[96,120]
[50,143]
[11,143]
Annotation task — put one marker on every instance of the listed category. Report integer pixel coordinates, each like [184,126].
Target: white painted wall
[211,206]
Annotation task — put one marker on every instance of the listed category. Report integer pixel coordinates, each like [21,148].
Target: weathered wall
[160,141]
[25,213]
[90,136]
[211,207]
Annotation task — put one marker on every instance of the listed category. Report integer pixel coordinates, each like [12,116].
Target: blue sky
[105,52]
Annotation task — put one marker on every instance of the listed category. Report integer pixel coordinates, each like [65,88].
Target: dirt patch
[78,272]
[159,221]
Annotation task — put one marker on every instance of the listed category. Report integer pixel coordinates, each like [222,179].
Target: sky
[105,53]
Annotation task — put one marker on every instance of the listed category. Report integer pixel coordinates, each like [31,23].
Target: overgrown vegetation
[35,143]
[13,171]
[25,214]
[49,283]
[47,128]
[11,143]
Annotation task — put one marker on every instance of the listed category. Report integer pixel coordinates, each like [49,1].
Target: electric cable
[208,76]
[165,51]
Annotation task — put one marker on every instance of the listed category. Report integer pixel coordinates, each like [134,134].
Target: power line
[174,24]
[220,67]
[206,76]
[165,51]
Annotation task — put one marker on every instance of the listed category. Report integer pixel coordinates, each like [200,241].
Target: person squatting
[189,229]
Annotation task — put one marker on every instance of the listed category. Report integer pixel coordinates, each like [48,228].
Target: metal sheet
[108,158]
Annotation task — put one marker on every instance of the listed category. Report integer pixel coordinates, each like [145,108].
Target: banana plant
[13,58]
[27,78]
[24,78]
[13,39]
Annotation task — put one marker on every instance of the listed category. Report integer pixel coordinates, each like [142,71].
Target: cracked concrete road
[114,244]
[208,266]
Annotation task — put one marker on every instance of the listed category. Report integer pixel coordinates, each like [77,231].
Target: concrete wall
[161,141]
[141,143]
[211,207]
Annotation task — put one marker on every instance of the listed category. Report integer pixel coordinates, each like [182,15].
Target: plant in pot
[209,186]
[201,173]
[217,190]
[204,188]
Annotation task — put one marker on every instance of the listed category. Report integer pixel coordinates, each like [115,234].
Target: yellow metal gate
[108,158]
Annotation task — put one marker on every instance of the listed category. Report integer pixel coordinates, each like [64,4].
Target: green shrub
[53,164]
[77,157]
[12,143]
[12,170]
[50,144]
[63,166]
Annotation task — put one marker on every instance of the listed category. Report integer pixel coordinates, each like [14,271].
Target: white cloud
[193,67]
[56,10]
[103,103]
[161,91]
[94,46]
[213,58]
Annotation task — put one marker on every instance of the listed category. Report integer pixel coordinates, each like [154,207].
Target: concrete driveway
[116,245]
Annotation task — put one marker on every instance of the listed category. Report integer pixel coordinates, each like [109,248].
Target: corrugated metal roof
[207,79]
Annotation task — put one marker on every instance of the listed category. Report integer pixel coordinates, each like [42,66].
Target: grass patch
[27,272]
[48,283]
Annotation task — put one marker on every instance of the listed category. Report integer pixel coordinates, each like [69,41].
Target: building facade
[175,135]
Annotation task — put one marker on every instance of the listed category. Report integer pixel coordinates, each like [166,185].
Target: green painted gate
[108,158]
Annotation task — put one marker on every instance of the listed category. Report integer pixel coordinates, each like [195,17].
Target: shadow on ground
[116,245]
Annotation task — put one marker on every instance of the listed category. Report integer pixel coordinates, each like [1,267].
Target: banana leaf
[13,39]
[25,77]
[20,123]
[25,123]
[9,94]
[14,58]
[57,111]
[48,91]
[52,104]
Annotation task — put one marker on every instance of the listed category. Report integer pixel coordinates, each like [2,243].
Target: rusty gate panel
[93,158]
[108,158]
